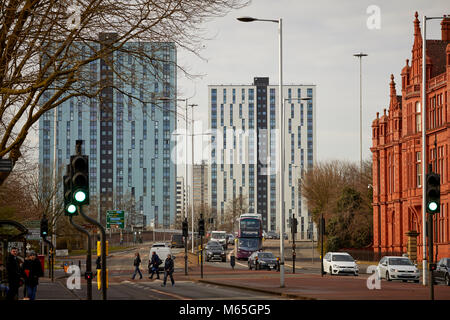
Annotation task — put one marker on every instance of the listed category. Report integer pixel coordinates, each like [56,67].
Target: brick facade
[397,146]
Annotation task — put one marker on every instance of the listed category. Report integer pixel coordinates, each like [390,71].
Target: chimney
[445,28]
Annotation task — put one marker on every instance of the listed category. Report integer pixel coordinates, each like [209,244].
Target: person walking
[232,260]
[14,274]
[153,265]
[32,270]
[137,263]
[168,270]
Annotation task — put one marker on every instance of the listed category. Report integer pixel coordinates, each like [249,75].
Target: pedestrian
[137,263]
[98,263]
[153,265]
[232,260]
[32,270]
[14,274]
[168,270]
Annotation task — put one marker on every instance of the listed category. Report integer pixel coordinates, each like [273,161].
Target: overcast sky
[319,40]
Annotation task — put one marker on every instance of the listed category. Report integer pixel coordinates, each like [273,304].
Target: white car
[398,268]
[340,263]
[162,250]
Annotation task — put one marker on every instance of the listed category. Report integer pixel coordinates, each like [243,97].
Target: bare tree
[341,192]
[46,47]
[234,208]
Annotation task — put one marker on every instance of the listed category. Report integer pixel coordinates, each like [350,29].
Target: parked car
[272,235]
[397,268]
[177,241]
[214,250]
[442,272]
[162,250]
[339,263]
[230,238]
[262,260]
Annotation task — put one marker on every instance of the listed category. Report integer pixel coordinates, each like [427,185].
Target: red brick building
[397,147]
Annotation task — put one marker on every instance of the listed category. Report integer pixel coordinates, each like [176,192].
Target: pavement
[305,284]
[299,286]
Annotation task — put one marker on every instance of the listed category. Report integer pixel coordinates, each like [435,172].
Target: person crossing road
[168,270]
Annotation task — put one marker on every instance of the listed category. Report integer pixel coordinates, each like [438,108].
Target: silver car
[398,268]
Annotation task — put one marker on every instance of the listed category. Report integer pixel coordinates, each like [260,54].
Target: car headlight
[262,262]
[393,270]
[335,266]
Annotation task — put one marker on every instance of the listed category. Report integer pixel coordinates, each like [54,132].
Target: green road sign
[115,218]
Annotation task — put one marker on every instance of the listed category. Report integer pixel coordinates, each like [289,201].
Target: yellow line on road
[173,295]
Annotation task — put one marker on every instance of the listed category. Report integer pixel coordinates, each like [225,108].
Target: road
[183,290]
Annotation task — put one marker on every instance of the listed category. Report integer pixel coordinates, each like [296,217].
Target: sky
[319,40]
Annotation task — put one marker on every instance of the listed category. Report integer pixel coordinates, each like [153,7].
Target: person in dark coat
[168,270]
[14,274]
[31,271]
[137,263]
[232,260]
[153,265]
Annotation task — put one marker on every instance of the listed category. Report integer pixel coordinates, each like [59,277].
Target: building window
[419,169]
[418,118]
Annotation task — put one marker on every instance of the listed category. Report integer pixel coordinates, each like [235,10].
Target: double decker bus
[249,235]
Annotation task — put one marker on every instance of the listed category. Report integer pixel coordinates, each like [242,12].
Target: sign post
[115,218]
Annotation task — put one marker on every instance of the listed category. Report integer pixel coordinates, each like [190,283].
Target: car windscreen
[250,224]
[400,262]
[266,255]
[248,243]
[159,246]
[214,247]
[342,257]
[218,235]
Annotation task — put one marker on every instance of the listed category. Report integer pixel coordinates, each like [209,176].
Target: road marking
[173,295]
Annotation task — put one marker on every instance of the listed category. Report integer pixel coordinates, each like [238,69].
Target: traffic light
[88,275]
[201,227]
[433,193]
[185,228]
[294,224]
[80,179]
[44,227]
[69,208]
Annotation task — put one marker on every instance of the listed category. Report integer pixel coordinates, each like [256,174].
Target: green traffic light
[80,196]
[71,209]
[432,206]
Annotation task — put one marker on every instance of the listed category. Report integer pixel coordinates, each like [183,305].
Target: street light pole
[192,172]
[424,147]
[360,55]
[280,121]
[282,155]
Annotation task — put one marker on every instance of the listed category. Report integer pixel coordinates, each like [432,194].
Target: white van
[162,250]
[221,237]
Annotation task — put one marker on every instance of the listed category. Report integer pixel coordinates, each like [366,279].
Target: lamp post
[424,149]
[360,55]
[192,172]
[281,118]
[185,166]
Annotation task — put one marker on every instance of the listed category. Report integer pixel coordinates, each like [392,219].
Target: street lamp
[281,118]
[360,55]
[426,272]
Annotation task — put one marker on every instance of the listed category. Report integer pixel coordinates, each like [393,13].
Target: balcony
[437,81]
[412,91]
